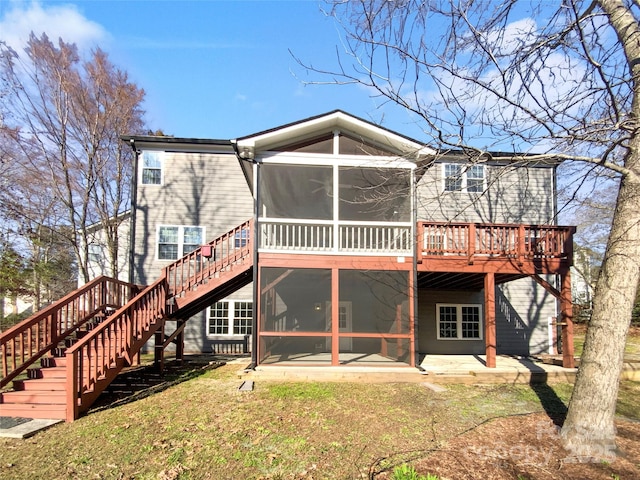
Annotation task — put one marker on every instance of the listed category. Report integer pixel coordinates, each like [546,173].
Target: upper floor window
[151,165]
[175,241]
[459,177]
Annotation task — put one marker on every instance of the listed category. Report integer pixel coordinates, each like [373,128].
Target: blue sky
[211,68]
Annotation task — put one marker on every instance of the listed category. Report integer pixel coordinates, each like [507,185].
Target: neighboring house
[99,252]
[371,247]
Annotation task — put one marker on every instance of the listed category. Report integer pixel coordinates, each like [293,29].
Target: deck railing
[96,358]
[495,240]
[23,344]
[210,260]
[353,237]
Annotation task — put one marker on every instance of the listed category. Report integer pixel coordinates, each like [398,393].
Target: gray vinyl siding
[428,329]
[199,189]
[523,194]
[523,309]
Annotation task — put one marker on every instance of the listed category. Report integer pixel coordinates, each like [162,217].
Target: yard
[202,427]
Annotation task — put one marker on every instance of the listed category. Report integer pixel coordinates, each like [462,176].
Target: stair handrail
[26,342]
[98,357]
[208,260]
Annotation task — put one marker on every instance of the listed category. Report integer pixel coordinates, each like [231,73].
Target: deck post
[158,351]
[566,310]
[490,318]
[180,342]
[335,316]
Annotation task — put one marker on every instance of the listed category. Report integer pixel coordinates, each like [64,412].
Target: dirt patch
[527,447]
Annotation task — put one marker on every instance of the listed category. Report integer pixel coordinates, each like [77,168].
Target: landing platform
[466,369]
[11,427]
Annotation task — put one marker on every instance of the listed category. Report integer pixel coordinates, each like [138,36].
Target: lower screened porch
[358,309]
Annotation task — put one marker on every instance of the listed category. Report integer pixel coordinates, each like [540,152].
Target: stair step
[38,397]
[48,362]
[48,384]
[48,372]
[58,412]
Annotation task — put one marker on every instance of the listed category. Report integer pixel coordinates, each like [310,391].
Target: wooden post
[158,351]
[566,311]
[490,318]
[471,243]
[180,342]
[335,317]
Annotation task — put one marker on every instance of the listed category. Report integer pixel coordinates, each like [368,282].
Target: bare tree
[559,79]
[66,116]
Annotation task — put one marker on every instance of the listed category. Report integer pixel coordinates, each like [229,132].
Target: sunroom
[335,243]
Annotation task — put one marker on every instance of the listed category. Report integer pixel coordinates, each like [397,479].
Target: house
[330,241]
[370,248]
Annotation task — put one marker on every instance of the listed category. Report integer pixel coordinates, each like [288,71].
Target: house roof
[179,144]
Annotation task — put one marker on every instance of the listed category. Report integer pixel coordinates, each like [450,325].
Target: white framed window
[460,178]
[151,167]
[175,241]
[459,321]
[230,317]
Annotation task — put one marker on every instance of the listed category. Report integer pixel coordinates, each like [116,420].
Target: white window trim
[181,252]
[141,167]
[463,177]
[458,307]
[231,304]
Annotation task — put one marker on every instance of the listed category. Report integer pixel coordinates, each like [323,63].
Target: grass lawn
[205,428]
[202,427]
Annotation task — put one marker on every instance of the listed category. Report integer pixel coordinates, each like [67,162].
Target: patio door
[345,324]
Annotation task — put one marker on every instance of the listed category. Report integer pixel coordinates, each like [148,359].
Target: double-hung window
[175,241]
[230,317]
[151,164]
[459,177]
[459,322]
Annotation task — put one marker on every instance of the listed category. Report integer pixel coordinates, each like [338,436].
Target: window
[458,178]
[459,322]
[175,241]
[151,163]
[95,253]
[241,238]
[232,317]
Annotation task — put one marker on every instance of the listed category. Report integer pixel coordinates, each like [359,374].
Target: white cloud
[58,21]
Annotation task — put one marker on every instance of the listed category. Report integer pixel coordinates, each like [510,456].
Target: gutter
[245,157]
[134,201]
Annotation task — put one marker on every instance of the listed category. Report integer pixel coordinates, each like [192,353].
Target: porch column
[566,320]
[490,318]
[335,317]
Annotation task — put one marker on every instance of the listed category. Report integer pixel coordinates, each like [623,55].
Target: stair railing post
[72,387]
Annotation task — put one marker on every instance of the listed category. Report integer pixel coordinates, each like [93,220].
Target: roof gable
[313,135]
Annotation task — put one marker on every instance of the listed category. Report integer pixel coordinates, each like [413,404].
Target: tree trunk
[589,429]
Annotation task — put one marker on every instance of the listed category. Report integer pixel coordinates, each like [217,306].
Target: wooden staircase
[62,358]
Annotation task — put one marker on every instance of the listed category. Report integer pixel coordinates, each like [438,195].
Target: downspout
[134,202]
[414,268]
[255,192]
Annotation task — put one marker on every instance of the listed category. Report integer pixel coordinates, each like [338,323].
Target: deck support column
[566,321]
[180,342]
[490,318]
[158,351]
[335,317]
